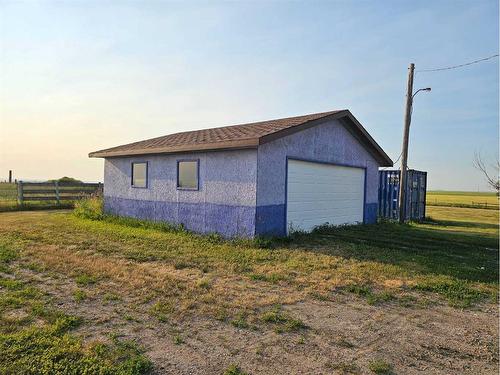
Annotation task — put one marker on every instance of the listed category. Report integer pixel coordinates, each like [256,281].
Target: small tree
[66,179]
[492,179]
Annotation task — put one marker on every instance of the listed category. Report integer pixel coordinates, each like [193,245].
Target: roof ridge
[326,113]
[262,123]
[239,136]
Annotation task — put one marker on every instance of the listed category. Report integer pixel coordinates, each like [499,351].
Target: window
[140,175]
[187,174]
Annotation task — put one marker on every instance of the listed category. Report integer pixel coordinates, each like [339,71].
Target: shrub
[67,180]
[90,208]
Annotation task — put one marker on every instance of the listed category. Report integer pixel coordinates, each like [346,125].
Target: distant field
[462,199]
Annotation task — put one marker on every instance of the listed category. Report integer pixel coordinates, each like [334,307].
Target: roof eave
[218,146]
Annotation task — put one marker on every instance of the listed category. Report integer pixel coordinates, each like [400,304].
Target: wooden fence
[55,191]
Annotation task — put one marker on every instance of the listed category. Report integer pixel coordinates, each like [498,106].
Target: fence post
[20,193]
[56,187]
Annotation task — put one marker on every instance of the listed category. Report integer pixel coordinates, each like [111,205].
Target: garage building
[264,178]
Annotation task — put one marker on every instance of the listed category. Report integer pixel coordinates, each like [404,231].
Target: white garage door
[323,193]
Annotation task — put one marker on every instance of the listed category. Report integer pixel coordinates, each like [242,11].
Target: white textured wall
[226,177]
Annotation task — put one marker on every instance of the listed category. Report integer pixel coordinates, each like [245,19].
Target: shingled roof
[243,136]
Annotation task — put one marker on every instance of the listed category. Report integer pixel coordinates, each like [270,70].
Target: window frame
[197,175]
[132,174]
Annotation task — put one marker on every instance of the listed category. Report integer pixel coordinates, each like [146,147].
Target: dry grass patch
[198,272]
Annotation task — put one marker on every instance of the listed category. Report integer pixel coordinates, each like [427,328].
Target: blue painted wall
[330,142]
[224,203]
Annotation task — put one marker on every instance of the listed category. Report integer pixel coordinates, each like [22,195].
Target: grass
[178,340]
[464,199]
[172,274]
[162,311]
[343,367]
[463,250]
[380,367]
[35,338]
[270,278]
[80,295]
[282,321]
[111,297]
[240,321]
[234,370]
[85,279]
[463,255]
[372,298]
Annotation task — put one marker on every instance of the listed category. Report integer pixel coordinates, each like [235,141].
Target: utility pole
[404,151]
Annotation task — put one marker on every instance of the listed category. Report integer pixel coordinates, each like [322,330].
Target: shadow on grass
[434,247]
[468,256]
[462,224]
[35,207]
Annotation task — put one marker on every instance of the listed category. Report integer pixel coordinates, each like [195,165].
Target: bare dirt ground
[343,336]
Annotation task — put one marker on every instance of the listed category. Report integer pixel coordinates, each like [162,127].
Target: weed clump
[372,298]
[240,321]
[273,278]
[89,208]
[282,321]
[79,295]
[178,340]
[7,254]
[162,311]
[380,367]
[85,279]
[234,370]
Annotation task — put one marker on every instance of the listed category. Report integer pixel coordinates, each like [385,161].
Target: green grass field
[463,199]
[154,274]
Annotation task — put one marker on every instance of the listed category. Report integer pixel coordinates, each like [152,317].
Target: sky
[79,76]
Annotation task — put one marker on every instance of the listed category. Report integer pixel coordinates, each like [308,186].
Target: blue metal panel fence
[388,194]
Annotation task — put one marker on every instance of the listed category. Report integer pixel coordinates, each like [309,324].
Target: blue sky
[80,76]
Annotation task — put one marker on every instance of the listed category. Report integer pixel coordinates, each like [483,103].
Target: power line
[394,163]
[457,66]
